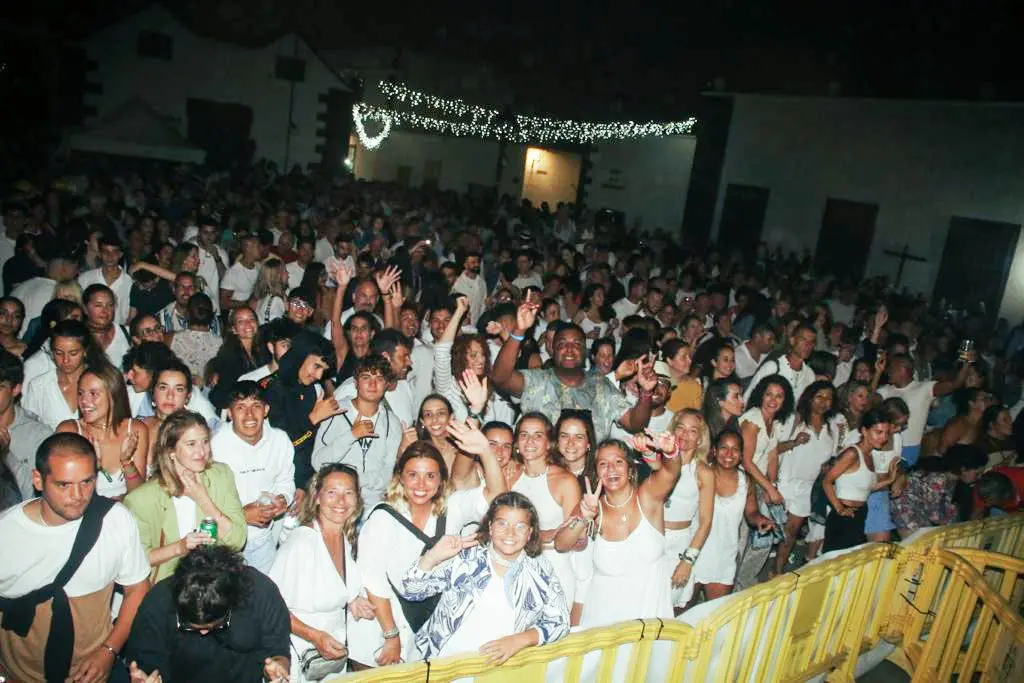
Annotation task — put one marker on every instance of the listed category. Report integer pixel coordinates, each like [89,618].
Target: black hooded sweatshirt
[291,401]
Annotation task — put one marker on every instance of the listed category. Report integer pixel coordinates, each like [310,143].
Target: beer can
[209,525]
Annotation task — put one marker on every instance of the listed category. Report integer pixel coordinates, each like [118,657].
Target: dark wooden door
[976,263]
[847,230]
[739,228]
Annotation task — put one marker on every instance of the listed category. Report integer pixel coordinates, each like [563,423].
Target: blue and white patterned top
[531,587]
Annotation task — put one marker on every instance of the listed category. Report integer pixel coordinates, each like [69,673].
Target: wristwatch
[689,555]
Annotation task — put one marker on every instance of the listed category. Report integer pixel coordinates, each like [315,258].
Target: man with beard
[472,286]
[566,385]
[64,552]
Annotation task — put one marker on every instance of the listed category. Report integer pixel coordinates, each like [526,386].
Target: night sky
[606,61]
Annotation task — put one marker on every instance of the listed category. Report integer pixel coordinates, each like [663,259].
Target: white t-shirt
[295,273]
[42,396]
[918,397]
[531,280]
[122,288]
[185,512]
[118,555]
[267,466]
[624,308]
[746,366]
[270,308]
[240,281]
[34,294]
[208,271]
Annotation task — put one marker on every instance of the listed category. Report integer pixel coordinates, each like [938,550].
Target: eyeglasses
[146,331]
[520,528]
[220,625]
[299,304]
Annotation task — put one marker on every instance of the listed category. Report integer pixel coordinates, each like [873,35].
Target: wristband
[689,555]
[109,649]
[389,635]
[671,456]
[132,477]
[653,457]
[517,337]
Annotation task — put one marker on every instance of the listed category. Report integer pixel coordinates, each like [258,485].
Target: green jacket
[154,512]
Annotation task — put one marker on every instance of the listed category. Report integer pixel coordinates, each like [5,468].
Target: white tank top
[682,503]
[108,484]
[539,492]
[856,485]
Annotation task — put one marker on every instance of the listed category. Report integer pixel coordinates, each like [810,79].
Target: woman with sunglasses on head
[418,509]
[626,577]
[316,571]
[498,593]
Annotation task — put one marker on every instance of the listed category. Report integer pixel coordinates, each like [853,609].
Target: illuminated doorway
[550,176]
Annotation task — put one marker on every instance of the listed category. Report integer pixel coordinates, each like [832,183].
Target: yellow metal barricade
[942,599]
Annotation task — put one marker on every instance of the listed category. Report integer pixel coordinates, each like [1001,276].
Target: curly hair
[460,355]
[208,583]
[311,505]
[788,402]
[513,501]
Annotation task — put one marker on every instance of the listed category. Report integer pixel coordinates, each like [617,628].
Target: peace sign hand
[590,503]
[526,315]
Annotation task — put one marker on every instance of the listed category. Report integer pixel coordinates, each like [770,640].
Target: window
[290,69]
[155,45]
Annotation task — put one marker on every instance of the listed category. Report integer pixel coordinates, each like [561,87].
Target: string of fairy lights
[455,117]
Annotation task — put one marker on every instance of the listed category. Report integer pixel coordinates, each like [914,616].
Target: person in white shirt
[38,291]
[113,276]
[240,279]
[80,641]
[630,304]
[526,276]
[99,303]
[212,258]
[792,366]
[304,256]
[472,285]
[750,353]
[367,433]
[918,396]
[262,460]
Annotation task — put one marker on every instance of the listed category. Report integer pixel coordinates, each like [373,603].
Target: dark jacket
[291,401]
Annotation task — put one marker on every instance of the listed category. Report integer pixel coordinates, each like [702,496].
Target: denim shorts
[879,517]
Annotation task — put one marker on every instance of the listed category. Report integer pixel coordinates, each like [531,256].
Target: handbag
[417,612]
[315,667]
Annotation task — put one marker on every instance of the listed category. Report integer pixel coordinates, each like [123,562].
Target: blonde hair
[70,288]
[395,495]
[271,281]
[172,429]
[704,443]
[311,505]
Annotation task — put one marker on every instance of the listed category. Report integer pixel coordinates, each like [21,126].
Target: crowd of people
[274,427]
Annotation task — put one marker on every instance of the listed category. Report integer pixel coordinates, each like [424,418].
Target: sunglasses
[220,625]
[299,304]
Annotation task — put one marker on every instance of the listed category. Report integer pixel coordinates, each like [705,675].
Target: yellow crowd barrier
[956,583]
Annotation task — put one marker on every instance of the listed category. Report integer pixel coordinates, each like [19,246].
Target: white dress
[551,515]
[628,580]
[717,561]
[312,587]
[681,506]
[43,397]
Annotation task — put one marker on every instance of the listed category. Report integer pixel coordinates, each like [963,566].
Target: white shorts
[815,532]
[797,494]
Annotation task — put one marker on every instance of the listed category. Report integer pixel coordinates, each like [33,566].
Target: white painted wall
[921,162]
[463,160]
[551,177]
[647,179]
[216,71]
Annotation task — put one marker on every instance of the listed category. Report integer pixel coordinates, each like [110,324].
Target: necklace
[500,561]
[42,520]
[623,516]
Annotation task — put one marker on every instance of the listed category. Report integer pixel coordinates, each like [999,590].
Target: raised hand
[494,328]
[461,305]
[397,295]
[663,441]
[325,407]
[387,278]
[468,438]
[342,274]
[128,446]
[409,437]
[447,548]
[526,315]
[475,390]
[590,503]
[645,376]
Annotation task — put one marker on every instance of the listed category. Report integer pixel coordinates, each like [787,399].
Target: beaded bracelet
[517,337]
[671,456]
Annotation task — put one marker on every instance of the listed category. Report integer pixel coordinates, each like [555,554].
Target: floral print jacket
[531,587]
